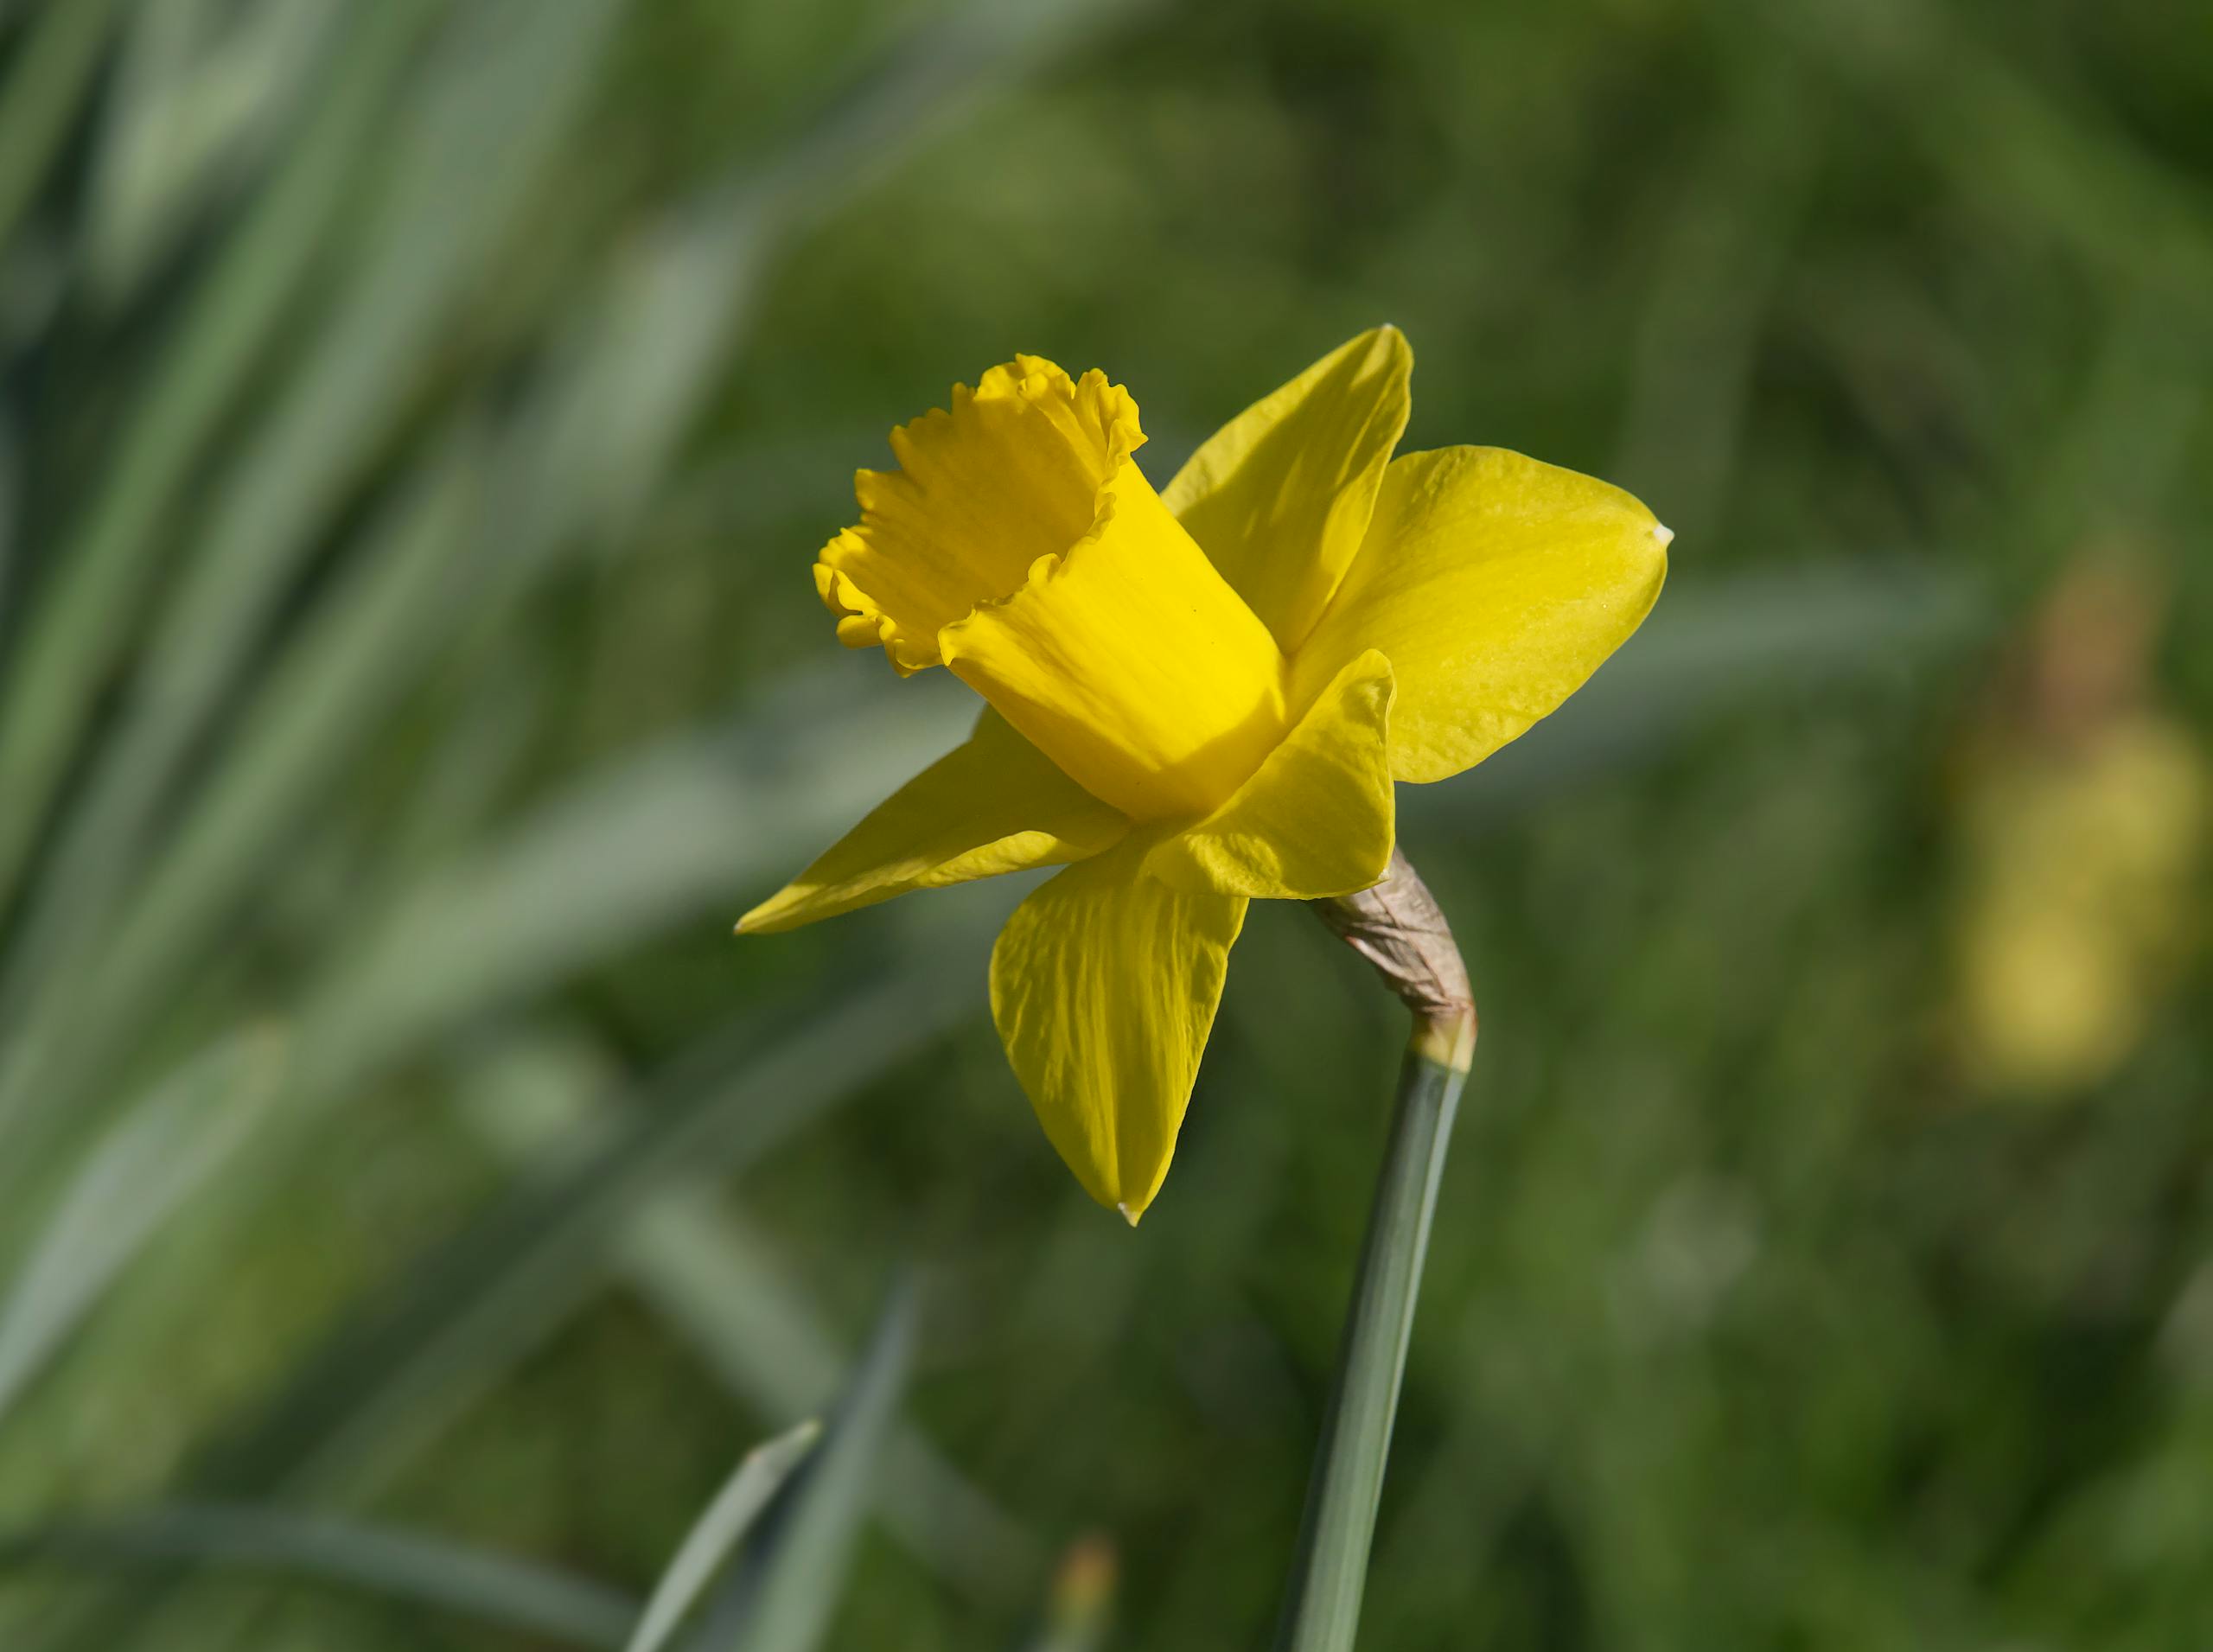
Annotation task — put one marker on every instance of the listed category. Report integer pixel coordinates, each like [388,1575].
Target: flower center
[1020,545]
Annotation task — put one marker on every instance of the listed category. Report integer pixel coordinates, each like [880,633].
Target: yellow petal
[1281,495]
[1130,663]
[1315,819]
[1496,585]
[993,804]
[1104,985]
[1010,474]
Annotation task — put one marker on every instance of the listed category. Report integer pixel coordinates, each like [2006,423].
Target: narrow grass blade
[102,574]
[709,1277]
[385,1384]
[348,665]
[397,1566]
[679,831]
[720,1287]
[489,118]
[201,89]
[719,1530]
[1330,1570]
[784,1599]
[163,1151]
[41,97]
[12,510]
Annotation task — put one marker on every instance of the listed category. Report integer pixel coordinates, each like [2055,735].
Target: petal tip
[1664,534]
[772,915]
[1128,1215]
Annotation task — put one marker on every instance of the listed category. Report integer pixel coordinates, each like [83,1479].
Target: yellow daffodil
[1198,697]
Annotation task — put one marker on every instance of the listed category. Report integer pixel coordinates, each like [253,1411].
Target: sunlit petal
[1496,585]
[1104,985]
[1280,496]
[1315,819]
[992,804]
[1132,663]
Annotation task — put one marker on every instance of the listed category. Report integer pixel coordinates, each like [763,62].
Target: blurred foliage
[416,421]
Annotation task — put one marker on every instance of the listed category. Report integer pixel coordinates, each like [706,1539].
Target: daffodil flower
[1194,698]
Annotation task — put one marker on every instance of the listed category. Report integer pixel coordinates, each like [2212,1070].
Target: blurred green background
[418,420]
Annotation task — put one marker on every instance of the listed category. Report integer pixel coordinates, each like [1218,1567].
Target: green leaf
[51,70]
[399,1370]
[721,1527]
[518,71]
[783,1600]
[397,1564]
[107,564]
[201,89]
[162,1151]
[385,1382]
[693,1260]
[343,669]
[720,1288]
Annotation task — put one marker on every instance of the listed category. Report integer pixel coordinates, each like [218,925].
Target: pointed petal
[1496,585]
[1103,985]
[1281,495]
[1317,819]
[993,804]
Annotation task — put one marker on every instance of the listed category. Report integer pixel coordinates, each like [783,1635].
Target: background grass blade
[162,1151]
[519,72]
[783,1600]
[354,657]
[708,1276]
[691,1257]
[401,1566]
[41,98]
[107,569]
[722,1526]
[383,1385]
[685,827]
[199,92]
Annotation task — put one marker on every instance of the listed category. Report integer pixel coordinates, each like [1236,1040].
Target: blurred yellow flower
[2080,907]
[1198,697]
[2088,814]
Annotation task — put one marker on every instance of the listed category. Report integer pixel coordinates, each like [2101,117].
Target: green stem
[1397,927]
